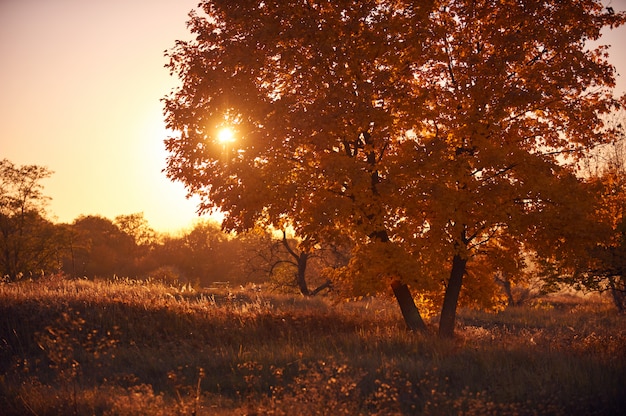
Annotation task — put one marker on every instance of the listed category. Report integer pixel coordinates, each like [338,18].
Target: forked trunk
[411,314]
[451,297]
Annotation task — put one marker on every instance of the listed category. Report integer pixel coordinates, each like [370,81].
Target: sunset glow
[92,114]
[226,135]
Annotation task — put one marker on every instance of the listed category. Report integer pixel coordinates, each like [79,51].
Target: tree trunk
[617,286]
[411,314]
[451,297]
[301,274]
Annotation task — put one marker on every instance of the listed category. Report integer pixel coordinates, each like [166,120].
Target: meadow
[125,347]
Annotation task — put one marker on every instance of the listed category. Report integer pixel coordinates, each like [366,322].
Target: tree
[207,258]
[145,240]
[99,249]
[136,226]
[282,259]
[26,238]
[428,134]
[204,255]
[606,270]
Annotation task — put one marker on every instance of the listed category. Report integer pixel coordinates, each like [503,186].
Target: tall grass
[126,347]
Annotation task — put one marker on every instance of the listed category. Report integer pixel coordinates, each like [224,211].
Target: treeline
[94,246]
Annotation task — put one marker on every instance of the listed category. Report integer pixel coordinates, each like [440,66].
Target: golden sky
[80,89]
[80,84]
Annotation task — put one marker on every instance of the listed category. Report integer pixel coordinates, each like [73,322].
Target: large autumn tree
[428,133]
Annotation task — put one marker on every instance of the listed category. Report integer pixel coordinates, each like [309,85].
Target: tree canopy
[26,237]
[439,130]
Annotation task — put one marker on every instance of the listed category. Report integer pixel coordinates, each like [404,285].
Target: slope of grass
[131,348]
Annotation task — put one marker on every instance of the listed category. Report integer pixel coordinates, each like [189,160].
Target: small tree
[136,226]
[26,238]
[285,258]
[423,132]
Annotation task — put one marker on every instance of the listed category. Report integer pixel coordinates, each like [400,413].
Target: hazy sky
[80,89]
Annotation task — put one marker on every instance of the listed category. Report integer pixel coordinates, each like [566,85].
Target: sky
[80,89]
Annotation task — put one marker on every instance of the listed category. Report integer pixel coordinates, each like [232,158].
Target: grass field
[125,347]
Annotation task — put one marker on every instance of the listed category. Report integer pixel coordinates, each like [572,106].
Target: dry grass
[133,348]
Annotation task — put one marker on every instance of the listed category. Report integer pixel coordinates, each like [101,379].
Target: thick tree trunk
[451,297]
[411,314]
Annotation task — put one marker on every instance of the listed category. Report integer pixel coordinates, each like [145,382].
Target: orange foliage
[445,127]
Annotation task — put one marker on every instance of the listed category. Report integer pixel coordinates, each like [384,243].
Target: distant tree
[206,260]
[71,250]
[282,260]
[606,264]
[301,260]
[202,255]
[136,226]
[430,134]
[167,260]
[26,237]
[145,239]
[99,248]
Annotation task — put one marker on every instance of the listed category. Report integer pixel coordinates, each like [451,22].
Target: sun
[226,135]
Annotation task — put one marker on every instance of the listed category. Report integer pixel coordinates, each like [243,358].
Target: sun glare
[226,135]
